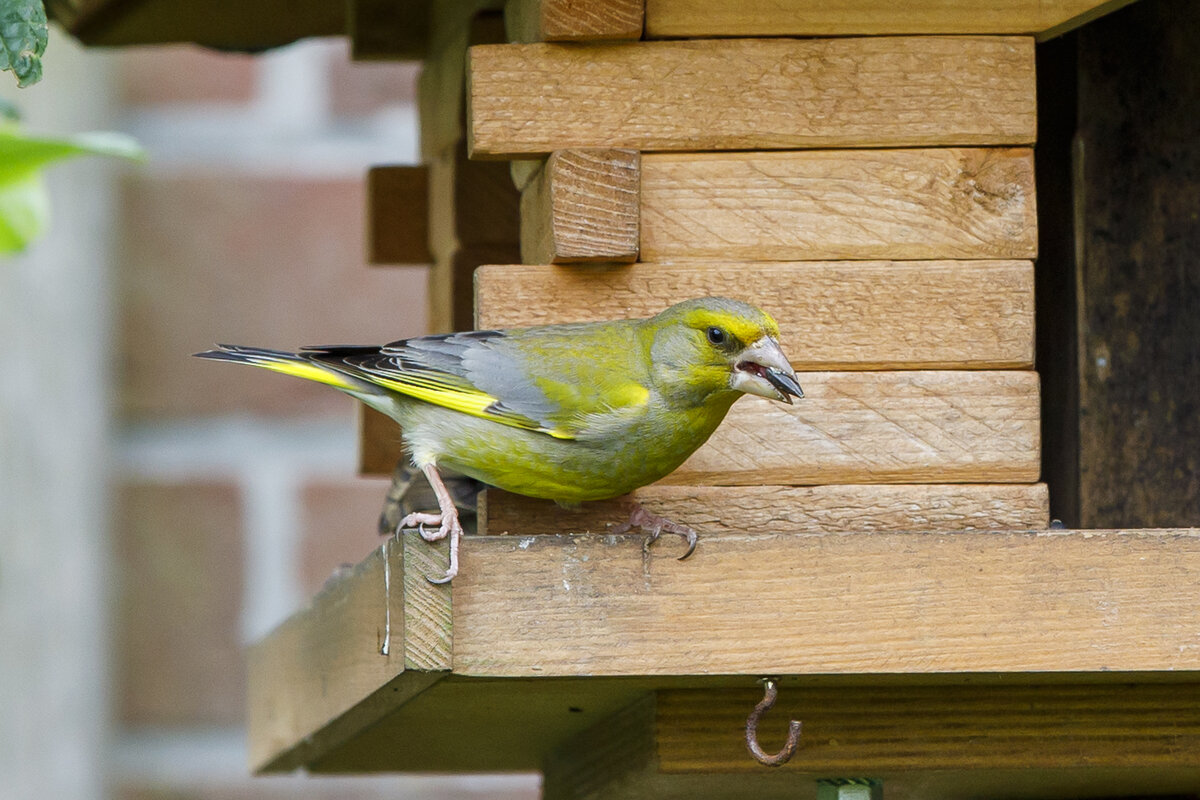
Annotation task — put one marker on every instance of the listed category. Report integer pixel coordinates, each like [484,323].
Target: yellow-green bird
[570,413]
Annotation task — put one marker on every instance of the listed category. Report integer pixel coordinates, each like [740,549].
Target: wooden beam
[785,509]
[876,626]
[922,741]
[573,20]
[707,18]
[863,427]
[839,204]
[833,315]
[780,604]
[751,94]
[314,676]
[957,728]
[582,206]
[398,215]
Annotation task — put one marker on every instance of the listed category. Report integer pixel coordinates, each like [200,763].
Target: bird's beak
[763,369]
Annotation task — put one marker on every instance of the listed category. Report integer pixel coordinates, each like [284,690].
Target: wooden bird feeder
[865,172]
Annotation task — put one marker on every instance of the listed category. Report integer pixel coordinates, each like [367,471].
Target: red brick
[358,88]
[270,262]
[168,74]
[339,526]
[179,564]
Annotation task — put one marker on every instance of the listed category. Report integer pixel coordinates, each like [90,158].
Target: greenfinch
[570,413]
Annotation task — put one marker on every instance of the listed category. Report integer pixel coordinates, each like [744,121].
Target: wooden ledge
[536,626]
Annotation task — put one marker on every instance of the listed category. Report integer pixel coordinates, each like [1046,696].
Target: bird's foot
[656,525]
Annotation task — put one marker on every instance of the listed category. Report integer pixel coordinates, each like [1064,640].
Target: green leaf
[24,211]
[23,36]
[24,203]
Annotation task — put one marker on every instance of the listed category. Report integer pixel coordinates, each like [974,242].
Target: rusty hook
[793,736]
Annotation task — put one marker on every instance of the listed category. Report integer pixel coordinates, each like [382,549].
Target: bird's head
[714,345]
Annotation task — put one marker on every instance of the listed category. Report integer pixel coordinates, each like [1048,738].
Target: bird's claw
[448,525]
[655,525]
[419,519]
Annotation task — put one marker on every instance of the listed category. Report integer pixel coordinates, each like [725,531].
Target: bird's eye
[716,335]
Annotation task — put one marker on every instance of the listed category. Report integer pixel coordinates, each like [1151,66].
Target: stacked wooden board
[875,195]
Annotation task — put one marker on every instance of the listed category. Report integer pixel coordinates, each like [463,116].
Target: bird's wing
[569,381]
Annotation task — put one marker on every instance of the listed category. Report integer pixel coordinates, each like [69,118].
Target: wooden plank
[950,740]
[890,729]
[617,752]
[583,206]
[785,509]
[868,315]
[398,215]
[863,427]
[573,20]
[595,737]
[844,603]
[1139,268]
[879,427]
[707,18]
[840,204]
[314,676]
[751,94]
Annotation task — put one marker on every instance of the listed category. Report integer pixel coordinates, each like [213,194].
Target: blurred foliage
[23,35]
[24,201]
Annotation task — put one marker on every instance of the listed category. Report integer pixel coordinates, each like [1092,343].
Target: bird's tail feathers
[298,365]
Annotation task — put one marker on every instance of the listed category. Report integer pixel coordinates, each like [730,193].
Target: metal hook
[793,737]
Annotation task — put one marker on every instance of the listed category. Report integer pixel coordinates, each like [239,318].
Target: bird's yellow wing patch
[463,398]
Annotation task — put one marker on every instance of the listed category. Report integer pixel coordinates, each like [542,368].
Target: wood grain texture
[583,206]
[751,94]
[938,727]
[860,427]
[398,215]
[867,315]
[573,20]
[427,632]
[785,509]
[879,427]
[839,204]
[321,672]
[705,18]
[780,604]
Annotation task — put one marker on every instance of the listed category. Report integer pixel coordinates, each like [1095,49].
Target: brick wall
[235,496]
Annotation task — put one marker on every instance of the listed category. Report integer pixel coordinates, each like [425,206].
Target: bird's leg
[446,519]
[655,525]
